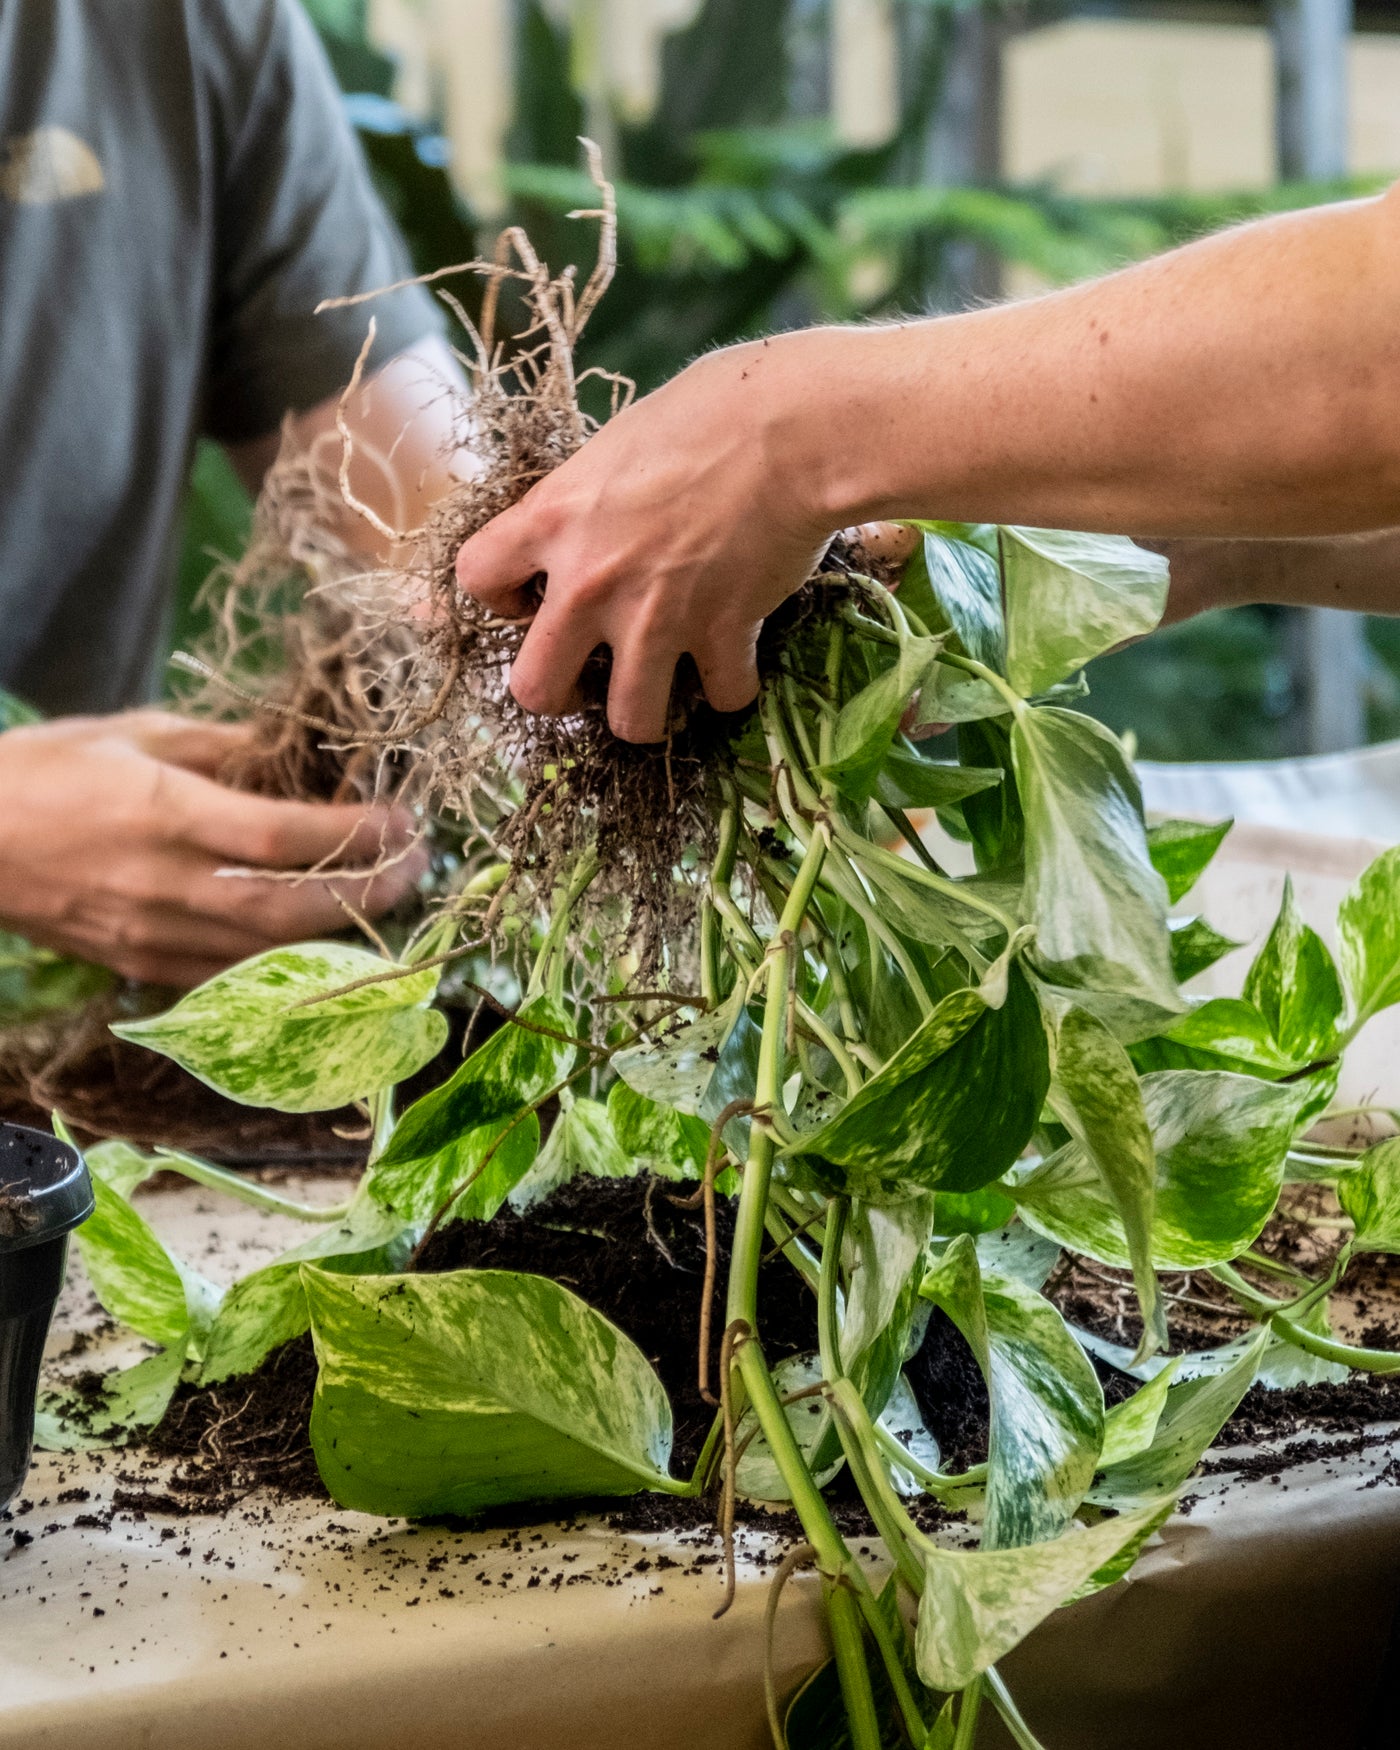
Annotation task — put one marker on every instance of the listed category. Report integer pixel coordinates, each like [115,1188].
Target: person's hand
[115,834]
[676,529]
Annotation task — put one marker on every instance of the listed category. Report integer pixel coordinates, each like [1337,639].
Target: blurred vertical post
[1310,60]
[963,144]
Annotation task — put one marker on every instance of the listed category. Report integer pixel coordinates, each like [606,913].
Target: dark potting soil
[628,1249]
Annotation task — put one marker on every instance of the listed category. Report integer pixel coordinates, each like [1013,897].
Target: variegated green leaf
[953,583]
[867,724]
[924,1121]
[1220,1144]
[136,1278]
[1192,1416]
[1219,1033]
[1096,1094]
[1181,851]
[758,1477]
[1370,1195]
[1196,946]
[1070,597]
[267,1308]
[122,1166]
[1046,1401]
[671,1144]
[131,1399]
[1098,905]
[253,1034]
[1294,985]
[1368,935]
[700,1067]
[454,1393]
[979,1604]
[1130,1427]
[582,1144]
[474,1134]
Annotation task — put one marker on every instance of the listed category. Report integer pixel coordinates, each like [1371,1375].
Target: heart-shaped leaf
[1370,1195]
[979,1604]
[1294,985]
[267,1308]
[1368,934]
[867,724]
[1096,1095]
[479,1115]
[137,1280]
[1070,597]
[1220,1143]
[1182,850]
[1196,945]
[924,1120]
[454,1393]
[1098,905]
[255,1034]
[1194,1413]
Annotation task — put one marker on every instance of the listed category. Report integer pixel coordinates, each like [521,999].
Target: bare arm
[1244,386]
[1358,572]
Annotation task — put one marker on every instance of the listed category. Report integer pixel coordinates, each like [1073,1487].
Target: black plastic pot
[45,1192]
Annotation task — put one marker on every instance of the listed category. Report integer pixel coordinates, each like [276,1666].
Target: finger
[729,669]
[639,690]
[270,833]
[497,563]
[186,742]
[544,675]
[273,911]
[885,543]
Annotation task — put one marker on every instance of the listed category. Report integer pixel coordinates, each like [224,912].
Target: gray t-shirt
[178,189]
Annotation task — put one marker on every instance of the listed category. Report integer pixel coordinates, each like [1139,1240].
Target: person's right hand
[115,832]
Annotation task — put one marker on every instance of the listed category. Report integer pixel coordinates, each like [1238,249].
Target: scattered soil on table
[628,1249]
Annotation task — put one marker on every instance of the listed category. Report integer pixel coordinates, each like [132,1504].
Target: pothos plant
[919,1086]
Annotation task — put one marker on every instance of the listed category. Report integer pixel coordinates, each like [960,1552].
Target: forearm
[1358,572]
[1248,384]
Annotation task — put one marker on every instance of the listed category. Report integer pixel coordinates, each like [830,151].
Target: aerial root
[735,1336]
[801,1556]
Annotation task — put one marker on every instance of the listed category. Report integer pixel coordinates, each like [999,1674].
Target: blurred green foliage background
[737,216]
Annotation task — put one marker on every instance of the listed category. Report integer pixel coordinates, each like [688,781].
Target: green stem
[844,1061]
[1327,1349]
[721,875]
[1013,699]
[841,1571]
[753,1199]
[248,1190]
[966,1735]
[548,970]
[934,1481]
